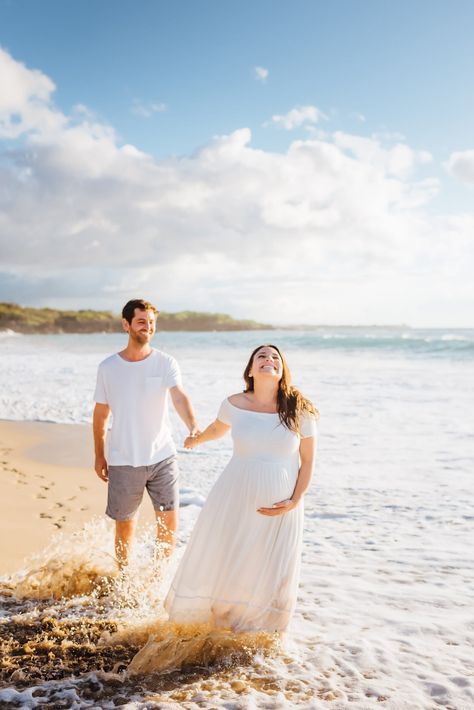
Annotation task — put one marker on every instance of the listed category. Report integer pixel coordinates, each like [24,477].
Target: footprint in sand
[40,495]
[62,506]
[369,675]
[72,498]
[82,488]
[86,508]
[45,515]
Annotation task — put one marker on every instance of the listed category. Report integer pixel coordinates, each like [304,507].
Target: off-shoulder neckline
[252,411]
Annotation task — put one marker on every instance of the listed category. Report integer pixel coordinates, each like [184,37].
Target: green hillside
[22,319]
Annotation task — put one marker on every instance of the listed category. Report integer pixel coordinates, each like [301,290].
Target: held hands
[101,468]
[191,441]
[284,506]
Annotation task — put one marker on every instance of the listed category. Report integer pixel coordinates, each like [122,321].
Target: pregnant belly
[259,483]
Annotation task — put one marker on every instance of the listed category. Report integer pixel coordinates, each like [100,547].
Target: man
[133,386]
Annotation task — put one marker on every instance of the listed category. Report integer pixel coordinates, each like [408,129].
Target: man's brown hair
[128,310]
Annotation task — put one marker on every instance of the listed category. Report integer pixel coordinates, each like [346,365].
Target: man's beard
[140,338]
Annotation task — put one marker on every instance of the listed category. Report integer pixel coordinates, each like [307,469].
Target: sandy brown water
[74,633]
[71,628]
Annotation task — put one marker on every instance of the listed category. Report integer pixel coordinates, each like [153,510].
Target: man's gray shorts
[127,484]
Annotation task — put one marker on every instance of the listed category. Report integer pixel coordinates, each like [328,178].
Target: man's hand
[101,468]
[99,425]
[190,442]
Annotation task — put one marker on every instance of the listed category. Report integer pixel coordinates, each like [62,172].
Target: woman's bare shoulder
[238,399]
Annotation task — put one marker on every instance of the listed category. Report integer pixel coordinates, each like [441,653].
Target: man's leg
[163,489]
[125,493]
[124,531]
[166,529]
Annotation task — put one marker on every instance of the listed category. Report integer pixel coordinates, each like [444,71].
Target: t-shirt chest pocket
[154,387]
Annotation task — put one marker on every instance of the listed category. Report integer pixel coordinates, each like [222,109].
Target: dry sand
[48,484]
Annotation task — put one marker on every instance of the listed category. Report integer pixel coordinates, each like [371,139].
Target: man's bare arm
[183,406]
[99,425]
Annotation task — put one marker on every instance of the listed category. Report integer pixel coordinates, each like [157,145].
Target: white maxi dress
[240,568]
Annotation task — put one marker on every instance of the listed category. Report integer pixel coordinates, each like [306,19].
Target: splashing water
[75,631]
[173,645]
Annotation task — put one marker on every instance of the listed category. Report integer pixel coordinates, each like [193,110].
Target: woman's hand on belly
[280,508]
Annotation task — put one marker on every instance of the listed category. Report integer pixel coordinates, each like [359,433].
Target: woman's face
[267,363]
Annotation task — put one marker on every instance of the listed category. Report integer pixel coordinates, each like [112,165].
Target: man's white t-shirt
[137,394]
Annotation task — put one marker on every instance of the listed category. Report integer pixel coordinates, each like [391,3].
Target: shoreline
[48,485]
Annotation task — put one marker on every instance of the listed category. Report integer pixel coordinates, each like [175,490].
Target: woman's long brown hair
[291,403]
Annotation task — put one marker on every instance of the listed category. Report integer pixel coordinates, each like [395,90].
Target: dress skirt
[240,568]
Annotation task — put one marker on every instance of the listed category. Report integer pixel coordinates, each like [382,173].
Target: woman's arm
[214,431]
[307,454]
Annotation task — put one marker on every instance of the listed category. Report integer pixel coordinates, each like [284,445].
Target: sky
[308,162]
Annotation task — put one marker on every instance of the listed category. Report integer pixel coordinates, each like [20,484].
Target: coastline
[30,320]
[48,485]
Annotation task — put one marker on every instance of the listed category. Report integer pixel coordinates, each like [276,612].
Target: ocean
[384,615]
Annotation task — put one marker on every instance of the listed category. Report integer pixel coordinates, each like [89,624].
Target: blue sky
[385,86]
[405,66]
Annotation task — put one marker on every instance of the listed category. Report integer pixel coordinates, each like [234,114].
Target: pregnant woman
[240,568]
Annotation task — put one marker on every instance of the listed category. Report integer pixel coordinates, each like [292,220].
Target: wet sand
[48,484]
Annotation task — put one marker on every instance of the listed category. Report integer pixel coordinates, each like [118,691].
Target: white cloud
[297,117]
[82,111]
[389,136]
[461,165]
[146,110]
[25,100]
[261,74]
[334,228]
[399,159]
[22,86]
[358,116]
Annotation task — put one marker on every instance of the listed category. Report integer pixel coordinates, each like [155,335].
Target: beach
[48,485]
[384,612]
[43,493]
[221,181]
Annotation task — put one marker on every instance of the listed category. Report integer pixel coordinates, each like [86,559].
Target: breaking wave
[75,632]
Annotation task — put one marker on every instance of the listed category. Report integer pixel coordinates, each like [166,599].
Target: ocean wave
[7,333]
[411,343]
[34,388]
[76,633]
